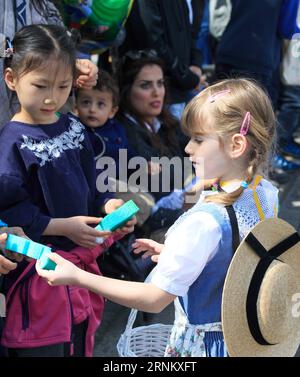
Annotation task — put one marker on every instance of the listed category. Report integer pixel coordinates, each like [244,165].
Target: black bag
[119,262]
[163,218]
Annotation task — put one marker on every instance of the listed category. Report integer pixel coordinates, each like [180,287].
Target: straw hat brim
[238,338]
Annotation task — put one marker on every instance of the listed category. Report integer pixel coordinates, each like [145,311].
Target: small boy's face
[95,107]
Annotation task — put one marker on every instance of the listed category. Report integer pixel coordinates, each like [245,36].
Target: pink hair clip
[246,124]
[216,95]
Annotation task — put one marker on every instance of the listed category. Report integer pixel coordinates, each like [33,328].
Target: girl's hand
[86,74]
[77,229]
[6,265]
[114,204]
[129,227]
[17,232]
[65,272]
[151,247]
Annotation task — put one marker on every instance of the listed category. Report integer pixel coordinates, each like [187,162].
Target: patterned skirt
[187,340]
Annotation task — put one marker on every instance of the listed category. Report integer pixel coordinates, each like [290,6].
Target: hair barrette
[246,124]
[6,52]
[244,184]
[214,187]
[216,95]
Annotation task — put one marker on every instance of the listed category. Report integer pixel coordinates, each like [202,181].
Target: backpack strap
[260,211]
[234,227]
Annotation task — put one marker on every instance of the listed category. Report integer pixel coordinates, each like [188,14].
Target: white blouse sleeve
[186,252]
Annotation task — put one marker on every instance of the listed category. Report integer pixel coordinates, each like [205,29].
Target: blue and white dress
[194,263]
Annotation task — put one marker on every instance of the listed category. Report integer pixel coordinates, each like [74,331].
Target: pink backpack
[41,315]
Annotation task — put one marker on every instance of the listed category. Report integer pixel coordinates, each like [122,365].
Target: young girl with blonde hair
[231,127]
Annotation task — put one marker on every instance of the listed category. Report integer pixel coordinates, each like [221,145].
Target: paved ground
[115,316]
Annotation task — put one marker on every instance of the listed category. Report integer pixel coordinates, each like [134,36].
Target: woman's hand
[65,272]
[86,74]
[150,247]
[77,229]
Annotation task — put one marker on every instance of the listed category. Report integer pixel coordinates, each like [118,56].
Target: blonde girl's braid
[229,102]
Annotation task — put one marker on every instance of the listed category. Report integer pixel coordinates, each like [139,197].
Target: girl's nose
[187,148]
[49,101]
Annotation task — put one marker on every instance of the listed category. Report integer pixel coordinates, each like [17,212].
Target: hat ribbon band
[266,258]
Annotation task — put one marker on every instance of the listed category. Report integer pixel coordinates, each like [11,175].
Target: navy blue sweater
[252,39]
[47,171]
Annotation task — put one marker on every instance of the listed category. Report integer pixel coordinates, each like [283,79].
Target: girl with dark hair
[48,187]
[14,14]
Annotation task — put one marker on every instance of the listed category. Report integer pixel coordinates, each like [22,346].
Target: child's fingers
[92,232]
[57,258]
[154,258]
[89,244]
[16,256]
[6,265]
[91,220]
[141,242]
[3,237]
[41,272]
[139,249]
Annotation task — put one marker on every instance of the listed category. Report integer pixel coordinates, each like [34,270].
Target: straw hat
[265,319]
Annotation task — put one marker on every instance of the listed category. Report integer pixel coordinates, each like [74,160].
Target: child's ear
[113,112]
[238,145]
[9,79]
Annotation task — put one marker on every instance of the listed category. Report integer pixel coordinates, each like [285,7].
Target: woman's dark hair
[34,45]
[129,67]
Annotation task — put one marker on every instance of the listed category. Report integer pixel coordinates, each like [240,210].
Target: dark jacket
[165,27]
[139,139]
[252,39]
[47,172]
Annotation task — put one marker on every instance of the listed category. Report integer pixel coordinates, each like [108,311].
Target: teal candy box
[30,249]
[119,217]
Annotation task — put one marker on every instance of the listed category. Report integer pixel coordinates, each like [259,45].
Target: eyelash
[43,87]
[198,141]
[148,85]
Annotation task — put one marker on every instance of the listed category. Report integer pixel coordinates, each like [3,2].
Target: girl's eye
[85,102]
[63,87]
[101,104]
[161,83]
[198,140]
[39,86]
